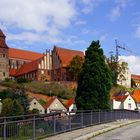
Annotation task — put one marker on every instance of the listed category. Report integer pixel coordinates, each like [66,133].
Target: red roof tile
[135,77]
[12,72]
[120,98]
[136,95]
[67,55]
[28,67]
[24,54]
[70,102]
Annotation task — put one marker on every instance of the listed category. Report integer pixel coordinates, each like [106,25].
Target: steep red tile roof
[24,54]
[49,102]
[2,40]
[70,102]
[120,98]
[135,77]
[28,67]
[67,55]
[12,72]
[136,95]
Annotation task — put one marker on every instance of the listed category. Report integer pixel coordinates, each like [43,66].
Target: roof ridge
[67,49]
[24,50]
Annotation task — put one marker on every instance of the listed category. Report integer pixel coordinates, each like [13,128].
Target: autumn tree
[75,67]
[118,69]
[94,81]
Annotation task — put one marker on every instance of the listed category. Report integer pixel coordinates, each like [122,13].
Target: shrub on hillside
[22,80]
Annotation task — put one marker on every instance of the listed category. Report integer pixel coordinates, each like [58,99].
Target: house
[136,96]
[45,104]
[70,105]
[124,78]
[136,79]
[35,104]
[55,105]
[124,101]
[61,58]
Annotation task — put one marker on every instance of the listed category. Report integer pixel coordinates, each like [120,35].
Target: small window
[4,55]
[129,106]
[4,74]
[34,103]
[4,50]
[42,72]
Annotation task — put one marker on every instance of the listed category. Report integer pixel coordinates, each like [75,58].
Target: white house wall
[117,104]
[129,100]
[56,105]
[34,104]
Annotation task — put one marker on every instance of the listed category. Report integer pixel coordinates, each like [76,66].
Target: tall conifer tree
[94,81]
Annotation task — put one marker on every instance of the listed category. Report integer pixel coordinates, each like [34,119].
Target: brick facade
[4,64]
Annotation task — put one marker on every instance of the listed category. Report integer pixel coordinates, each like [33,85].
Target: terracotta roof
[12,72]
[120,98]
[70,102]
[49,102]
[67,55]
[136,95]
[135,77]
[38,96]
[24,54]
[28,67]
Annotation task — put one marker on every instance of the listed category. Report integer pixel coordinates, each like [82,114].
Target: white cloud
[80,22]
[103,37]
[133,62]
[37,15]
[89,5]
[120,6]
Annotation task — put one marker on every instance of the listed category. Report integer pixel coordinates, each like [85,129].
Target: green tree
[75,67]
[18,94]
[94,81]
[17,108]
[7,107]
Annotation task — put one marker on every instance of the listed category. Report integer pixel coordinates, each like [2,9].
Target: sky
[37,25]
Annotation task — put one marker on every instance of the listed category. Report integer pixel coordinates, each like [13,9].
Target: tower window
[4,55]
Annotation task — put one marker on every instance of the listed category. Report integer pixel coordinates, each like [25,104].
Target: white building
[71,106]
[34,104]
[125,101]
[54,105]
[124,78]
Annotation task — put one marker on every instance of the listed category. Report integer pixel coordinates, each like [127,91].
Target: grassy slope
[47,88]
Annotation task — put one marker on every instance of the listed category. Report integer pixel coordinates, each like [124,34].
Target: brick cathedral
[49,66]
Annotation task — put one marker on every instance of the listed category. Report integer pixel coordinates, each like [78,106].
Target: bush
[22,80]
[7,80]
[35,111]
